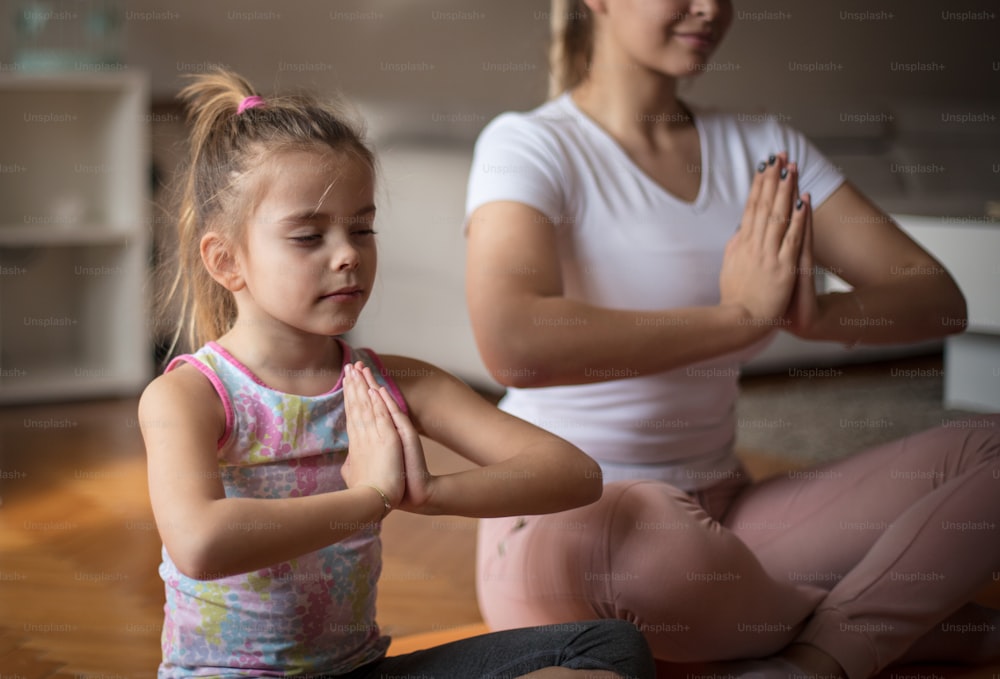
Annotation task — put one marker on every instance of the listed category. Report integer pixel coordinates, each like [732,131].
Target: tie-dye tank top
[314,614]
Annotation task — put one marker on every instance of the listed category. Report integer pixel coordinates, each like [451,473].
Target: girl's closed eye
[307,239]
[362,224]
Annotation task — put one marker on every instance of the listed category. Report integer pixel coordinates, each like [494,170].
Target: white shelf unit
[968,249]
[74,235]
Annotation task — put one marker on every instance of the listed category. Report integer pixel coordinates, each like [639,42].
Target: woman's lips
[700,41]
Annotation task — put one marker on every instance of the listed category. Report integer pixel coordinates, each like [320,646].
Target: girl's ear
[221,261]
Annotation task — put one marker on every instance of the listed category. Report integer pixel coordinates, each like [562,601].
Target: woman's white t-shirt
[624,242]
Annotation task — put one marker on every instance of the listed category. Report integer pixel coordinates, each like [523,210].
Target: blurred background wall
[478,57]
[904,97]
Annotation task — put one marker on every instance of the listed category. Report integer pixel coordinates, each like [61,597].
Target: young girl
[276,449]
[633,252]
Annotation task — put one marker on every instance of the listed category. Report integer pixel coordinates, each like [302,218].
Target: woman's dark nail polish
[762,166]
[771,158]
[799,204]
[784,172]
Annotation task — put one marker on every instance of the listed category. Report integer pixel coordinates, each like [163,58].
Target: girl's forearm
[909,310]
[528,483]
[238,535]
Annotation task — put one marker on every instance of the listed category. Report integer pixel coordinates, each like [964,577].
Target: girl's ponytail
[206,309]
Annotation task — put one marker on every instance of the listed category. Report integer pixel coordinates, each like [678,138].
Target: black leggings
[613,645]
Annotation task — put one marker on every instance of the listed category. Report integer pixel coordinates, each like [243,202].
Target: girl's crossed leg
[601,649]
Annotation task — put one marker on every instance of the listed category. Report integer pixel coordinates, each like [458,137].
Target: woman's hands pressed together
[803,309]
[385,449]
[764,268]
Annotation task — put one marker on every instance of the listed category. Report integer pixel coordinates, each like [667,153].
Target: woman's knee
[649,554]
[575,565]
[953,448]
[691,586]
[983,435]
[661,540]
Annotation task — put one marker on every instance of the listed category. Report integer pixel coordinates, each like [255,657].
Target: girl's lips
[343,295]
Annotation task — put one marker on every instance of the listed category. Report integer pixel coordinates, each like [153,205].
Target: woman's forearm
[911,309]
[550,341]
[901,293]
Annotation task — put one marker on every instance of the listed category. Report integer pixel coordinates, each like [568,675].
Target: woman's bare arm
[901,293]
[529,334]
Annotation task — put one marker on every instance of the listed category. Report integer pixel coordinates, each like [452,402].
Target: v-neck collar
[698,204]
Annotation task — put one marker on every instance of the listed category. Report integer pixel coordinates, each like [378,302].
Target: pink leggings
[860,558]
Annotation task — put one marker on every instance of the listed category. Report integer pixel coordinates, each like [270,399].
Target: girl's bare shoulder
[183,395]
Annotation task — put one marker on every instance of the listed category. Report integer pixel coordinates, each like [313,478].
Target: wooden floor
[79,593]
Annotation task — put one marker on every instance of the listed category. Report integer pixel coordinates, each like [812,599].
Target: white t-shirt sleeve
[516,160]
[818,176]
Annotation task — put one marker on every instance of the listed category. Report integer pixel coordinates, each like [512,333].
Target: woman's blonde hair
[572,47]
[228,140]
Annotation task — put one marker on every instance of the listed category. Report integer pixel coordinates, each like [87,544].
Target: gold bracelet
[861,308]
[385,501]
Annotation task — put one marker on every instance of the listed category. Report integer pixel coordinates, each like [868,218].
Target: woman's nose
[708,9]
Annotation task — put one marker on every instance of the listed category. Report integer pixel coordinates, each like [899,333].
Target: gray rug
[812,417]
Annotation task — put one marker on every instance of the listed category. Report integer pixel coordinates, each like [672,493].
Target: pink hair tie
[250,102]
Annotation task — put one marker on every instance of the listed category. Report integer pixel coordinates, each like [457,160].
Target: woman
[608,289]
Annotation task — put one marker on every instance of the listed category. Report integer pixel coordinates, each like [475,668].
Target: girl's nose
[345,258]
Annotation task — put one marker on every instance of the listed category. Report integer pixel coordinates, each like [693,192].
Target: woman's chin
[689,67]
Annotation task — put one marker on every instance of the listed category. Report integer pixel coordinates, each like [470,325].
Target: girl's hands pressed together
[419,482]
[760,264]
[375,455]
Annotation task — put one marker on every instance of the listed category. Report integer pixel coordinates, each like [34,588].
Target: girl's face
[309,257]
[672,37]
